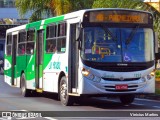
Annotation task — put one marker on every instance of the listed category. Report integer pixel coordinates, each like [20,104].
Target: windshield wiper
[109,32]
[128,40]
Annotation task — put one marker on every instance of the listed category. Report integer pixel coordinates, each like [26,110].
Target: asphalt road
[11,100]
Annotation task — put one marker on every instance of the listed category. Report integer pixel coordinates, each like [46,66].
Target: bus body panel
[140,85]
[52,71]
[8,59]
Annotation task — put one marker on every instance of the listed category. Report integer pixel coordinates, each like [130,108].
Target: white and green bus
[93,52]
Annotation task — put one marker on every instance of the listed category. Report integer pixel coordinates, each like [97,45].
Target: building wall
[7,9]
[7,3]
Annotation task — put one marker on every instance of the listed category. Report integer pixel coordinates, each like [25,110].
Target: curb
[151,97]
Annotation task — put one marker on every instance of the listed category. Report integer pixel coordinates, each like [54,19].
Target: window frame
[56,36]
[9,44]
[20,43]
[28,41]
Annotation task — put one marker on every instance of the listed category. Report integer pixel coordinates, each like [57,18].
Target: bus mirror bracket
[79,34]
[157,47]
[78,31]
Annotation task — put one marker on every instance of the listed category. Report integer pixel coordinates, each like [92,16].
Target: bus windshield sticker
[63,49]
[127,58]
[66,69]
[87,51]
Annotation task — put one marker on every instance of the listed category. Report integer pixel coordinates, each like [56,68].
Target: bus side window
[61,45]
[22,43]
[61,39]
[30,41]
[21,49]
[9,44]
[30,48]
[51,38]
[51,46]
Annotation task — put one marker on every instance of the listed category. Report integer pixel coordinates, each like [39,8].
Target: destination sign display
[117,16]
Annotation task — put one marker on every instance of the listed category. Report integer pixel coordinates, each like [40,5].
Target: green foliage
[157,73]
[39,8]
[46,8]
[157,91]
[81,4]
[116,3]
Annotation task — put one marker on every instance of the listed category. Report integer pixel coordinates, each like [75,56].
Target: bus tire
[24,91]
[127,99]
[65,99]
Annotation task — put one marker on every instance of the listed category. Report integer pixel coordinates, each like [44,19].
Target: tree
[38,8]
[41,9]
[81,4]
[131,4]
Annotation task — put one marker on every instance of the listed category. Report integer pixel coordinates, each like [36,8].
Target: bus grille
[122,68]
[118,79]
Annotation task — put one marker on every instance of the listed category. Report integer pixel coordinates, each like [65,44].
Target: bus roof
[76,14]
[21,27]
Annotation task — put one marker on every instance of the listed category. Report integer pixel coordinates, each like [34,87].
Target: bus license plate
[121,87]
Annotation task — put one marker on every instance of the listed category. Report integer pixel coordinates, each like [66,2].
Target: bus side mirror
[157,48]
[80,40]
[79,35]
[78,31]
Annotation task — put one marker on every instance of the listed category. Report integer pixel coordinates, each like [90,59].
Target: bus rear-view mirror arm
[79,35]
[157,50]
[80,40]
[78,31]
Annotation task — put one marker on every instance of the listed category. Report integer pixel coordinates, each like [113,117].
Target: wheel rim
[63,91]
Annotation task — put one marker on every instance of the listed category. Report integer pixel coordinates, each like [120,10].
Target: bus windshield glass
[102,44]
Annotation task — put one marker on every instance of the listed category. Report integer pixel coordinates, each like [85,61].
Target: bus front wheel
[24,91]
[65,99]
[127,99]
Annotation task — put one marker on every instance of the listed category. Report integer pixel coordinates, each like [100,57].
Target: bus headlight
[87,74]
[152,74]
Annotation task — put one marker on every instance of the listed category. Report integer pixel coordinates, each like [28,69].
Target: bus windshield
[102,44]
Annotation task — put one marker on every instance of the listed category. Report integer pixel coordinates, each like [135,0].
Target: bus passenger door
[39,60]
[14,49]
[73,61]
